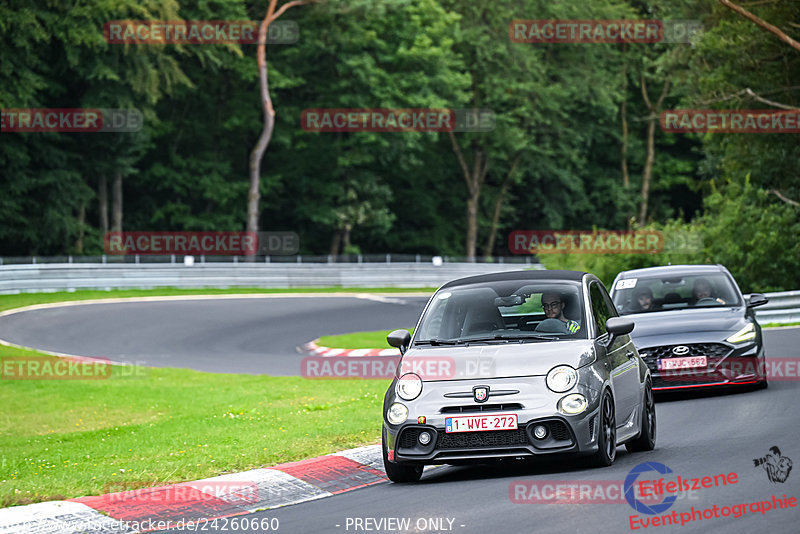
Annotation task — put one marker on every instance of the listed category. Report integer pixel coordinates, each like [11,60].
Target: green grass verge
[26,299]
[358,340]
[68,438]
[776,325]
[146,427]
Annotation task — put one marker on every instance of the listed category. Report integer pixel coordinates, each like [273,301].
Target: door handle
[630,354]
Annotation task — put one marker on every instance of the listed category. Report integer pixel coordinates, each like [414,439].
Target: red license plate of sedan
[692,362]
[481,423]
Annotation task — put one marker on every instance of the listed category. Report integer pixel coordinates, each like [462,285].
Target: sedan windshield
[504,312]
[674,292]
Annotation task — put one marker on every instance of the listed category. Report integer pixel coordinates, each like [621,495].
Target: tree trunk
[474,180]
[498,207]
[336,240]
[254,193]
[472,225]
[624,113]
[102,198]
[647,172]
[116,203]
[81,228]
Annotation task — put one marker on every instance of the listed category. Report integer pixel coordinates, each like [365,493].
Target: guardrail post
[136,259]
[299,259]
[104,258]
[236,259]
[33,260]
[266,258]
[172,258]
[202,258]
[418,258]
[69,258]
[330,258]
[360,258]
[388,258]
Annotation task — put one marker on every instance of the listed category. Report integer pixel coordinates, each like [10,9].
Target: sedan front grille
[714,352]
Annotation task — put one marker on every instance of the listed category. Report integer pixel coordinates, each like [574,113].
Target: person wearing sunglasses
[554,306]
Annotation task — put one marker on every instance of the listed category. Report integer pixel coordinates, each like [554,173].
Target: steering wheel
[706,300]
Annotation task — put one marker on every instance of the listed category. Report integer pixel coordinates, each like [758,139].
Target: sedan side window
[599,308]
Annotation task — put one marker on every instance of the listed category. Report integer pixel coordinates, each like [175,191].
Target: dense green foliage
[554,159]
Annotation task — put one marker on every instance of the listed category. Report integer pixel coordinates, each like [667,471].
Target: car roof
[672,270]
[532,274]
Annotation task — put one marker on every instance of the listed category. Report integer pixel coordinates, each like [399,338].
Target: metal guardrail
[41,277]
[782,308]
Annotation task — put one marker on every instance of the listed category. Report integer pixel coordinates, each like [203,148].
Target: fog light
[539,432]
[425,438]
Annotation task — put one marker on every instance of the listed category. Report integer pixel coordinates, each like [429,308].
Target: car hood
[711,321]
[495,360]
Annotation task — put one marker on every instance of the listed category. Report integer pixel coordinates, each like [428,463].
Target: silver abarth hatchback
[514,365]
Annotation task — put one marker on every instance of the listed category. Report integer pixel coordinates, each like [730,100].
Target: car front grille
[714,352]
[495,438]
[482,408]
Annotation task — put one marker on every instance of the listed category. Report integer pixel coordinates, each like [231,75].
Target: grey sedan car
[694,328]
[515,365]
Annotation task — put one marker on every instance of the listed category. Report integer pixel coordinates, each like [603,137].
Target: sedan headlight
[561,378]
[745,334]
[572,404]
[409,386]
[397,413]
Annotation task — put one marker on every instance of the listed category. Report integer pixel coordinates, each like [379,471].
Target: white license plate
[692,362]
[481,423]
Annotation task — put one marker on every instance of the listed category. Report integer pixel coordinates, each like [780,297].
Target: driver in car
[555,320]
[702,290]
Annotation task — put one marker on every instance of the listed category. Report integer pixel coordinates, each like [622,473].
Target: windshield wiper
[499,337]
[436,342]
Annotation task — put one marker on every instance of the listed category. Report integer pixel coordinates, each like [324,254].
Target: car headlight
[409,386]
[745,334]
[561,378]
[397,413]
[572,404]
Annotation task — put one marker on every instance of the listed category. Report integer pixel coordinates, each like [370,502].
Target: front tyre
[647,437]
[399,472]
[607,439]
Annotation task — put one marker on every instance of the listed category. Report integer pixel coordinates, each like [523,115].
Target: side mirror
[619,326]
[399,339]
[756,299]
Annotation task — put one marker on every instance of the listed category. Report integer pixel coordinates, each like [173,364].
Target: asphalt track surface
[698,435]
[248,335]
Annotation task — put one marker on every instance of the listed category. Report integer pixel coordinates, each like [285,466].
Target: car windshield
[674,292]
[503,312]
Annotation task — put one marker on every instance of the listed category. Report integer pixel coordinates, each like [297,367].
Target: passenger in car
[643,298]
